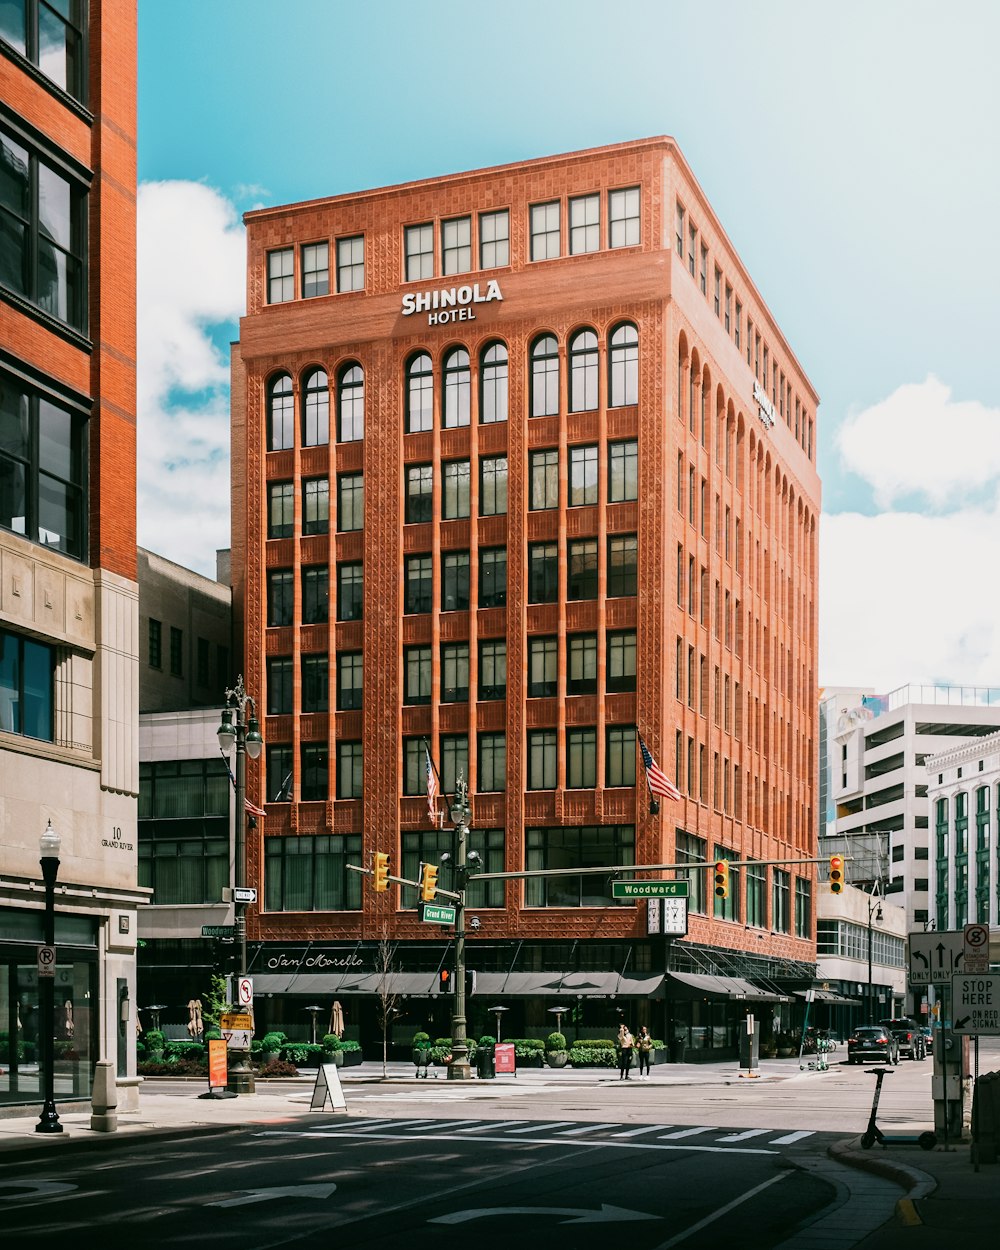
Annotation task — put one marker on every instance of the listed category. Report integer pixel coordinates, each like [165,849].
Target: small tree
[215,1002]
[387,998]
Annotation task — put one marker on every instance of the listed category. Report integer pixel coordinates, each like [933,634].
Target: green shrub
[593,1056]
[421,1041]
[555,1041]
[594,1043]
[153,1040]
[487,1039]
[331,1043]
[347,1046]
[183,1050]
[302,1054]
[273,1041]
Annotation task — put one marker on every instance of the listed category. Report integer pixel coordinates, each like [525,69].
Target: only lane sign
[936,957]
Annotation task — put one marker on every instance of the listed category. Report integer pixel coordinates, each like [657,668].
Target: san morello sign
[452,304]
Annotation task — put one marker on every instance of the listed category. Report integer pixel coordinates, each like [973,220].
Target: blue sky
[849,150]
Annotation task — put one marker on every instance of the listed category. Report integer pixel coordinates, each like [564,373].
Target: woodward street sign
[649,889]
[975,1003]
[437,913]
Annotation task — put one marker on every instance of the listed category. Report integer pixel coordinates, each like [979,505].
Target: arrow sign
[922,957]
[285,1191]
[572,1215]
[960,1024]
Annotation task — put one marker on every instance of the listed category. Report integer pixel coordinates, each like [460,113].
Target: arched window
[316,409]
[545,377]
[280,414]
[457,388]
[493,384]
[351,404]
[583,371]
[624,370]
[419,394]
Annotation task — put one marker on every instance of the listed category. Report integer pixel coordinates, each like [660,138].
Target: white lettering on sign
[452,303]
[765,408]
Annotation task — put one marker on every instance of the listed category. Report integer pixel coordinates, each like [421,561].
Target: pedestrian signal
[836,874]
[444,981]
[381,871]
[722,878]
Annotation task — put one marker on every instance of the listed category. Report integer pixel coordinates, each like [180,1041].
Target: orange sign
[218,1073]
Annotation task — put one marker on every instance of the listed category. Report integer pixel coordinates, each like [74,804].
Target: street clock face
[675,917]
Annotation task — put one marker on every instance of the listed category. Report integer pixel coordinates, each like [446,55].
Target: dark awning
[830,996]
[712,985]
[565,985]
[340,983]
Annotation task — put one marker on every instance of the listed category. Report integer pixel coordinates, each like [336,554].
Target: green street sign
[218,930]
[649,889]
[437,913]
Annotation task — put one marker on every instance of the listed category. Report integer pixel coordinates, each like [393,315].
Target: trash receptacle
[485,1067]
[749,1050]
[677,1050]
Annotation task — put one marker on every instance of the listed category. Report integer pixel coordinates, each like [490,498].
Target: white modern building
[963,787]
[860,956]
[879,782]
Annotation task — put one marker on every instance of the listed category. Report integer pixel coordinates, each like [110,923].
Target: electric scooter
[873,1134]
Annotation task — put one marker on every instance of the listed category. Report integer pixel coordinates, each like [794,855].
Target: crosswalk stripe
[542,1128]
[584,1128]
[636,1132]
[792,1137]
[504,1126]
[686,1132]
[436,1125]
[744,1136]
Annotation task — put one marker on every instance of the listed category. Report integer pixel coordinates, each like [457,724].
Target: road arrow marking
[285,1191]
[573,1215]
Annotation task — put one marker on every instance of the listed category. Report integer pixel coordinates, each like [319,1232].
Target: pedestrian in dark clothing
[643,1046]
[626,1043]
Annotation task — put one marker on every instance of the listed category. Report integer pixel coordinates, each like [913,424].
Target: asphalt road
[423,1182]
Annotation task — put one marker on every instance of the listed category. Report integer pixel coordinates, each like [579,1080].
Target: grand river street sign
[649,889]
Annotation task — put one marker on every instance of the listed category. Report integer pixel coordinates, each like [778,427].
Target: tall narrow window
[351,590]
[455,581]
[280,509]
[623,564]
[581,664]
[492,761]
[315,270]
[419,493]
[581,573]
[351,404]
[584,224]
[492,577]
[624,367]
[454,672]
[543,469]
[316,506]
[316,409]
[316,682]
[541,759]
[545,231]
[457,388]
[543,572]
[493,486]
[315,597]
[545,377]
[351,263]
[281,414]
[280,276]
[456,245]
[581,758]
[416,675]
[582,476]
[418,583]
[419,394]
[623,471]
[494,239]
[27,684]
[621,660]
[419,242]
[543,668]
[492,668]
[350,502]
[493,384]
[623,217]
[455,493]
[583,371]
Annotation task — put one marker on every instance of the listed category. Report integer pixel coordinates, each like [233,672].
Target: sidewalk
[941,1193]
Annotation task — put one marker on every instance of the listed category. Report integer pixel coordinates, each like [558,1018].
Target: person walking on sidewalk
[626,1043]
[643,1046]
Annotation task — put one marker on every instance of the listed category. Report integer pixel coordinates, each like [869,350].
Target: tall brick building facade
[521,462]
[68,594]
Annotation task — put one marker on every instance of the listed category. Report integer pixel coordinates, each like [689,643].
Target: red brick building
[521,461]
[68,593]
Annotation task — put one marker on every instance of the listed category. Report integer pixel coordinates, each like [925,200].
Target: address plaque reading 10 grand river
[649,889]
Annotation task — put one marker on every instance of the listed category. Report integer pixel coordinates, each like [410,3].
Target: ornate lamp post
[243,732]
[48,1121]
[461,814]
[874,909]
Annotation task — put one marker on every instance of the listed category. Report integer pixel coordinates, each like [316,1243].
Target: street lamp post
[48,1121]
[244,734]
[874,909]
[459,1068]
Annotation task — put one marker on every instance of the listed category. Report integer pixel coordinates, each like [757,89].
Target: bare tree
[387,998]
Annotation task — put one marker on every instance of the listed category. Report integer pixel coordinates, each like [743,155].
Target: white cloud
[906,597]
[191,280]
[921,442]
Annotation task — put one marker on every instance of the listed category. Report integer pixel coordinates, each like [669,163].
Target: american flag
[253,809]
[656,779]
[432,786]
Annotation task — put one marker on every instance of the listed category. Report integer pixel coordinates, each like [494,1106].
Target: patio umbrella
[337,1019]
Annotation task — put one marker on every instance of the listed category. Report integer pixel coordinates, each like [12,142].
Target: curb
[917,1184]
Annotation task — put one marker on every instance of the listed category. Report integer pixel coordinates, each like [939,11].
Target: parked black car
[908,1036]
[872,1041]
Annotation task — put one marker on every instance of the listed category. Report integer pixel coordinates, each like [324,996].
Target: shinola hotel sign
[452,304]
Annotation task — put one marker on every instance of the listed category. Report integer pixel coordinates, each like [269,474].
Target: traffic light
[381,871]
[428,882]
[722,878]
[444,981]
[836,874]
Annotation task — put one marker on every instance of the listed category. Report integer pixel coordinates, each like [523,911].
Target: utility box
[749,1045]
